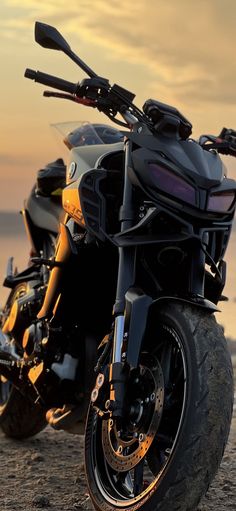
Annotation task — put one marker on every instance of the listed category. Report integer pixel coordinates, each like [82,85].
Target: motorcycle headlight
[221,201]
[174,185]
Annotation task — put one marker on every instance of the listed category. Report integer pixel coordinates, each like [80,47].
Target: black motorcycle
[123,332]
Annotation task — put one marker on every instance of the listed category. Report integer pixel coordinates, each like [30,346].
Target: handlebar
[95,92]
[86,93]
[51,81]
[228,135]
[224,143]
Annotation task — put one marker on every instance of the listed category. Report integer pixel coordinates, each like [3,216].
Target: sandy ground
[46,472]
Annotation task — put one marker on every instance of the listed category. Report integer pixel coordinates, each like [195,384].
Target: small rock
[40,501]
[36,456]
[227,481]
[78,479]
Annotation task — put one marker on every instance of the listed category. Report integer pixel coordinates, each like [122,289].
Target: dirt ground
[46,472]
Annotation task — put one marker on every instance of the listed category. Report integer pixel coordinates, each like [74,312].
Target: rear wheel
[19,418]
[166,451]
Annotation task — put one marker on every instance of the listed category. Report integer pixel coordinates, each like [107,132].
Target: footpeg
[66,419]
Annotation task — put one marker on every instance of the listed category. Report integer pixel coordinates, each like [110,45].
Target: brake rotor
[123,453]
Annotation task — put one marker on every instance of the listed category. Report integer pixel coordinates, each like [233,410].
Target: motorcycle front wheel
[165,452]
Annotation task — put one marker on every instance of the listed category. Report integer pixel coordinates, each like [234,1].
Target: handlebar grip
[51,81]
[226,133]
[30,73]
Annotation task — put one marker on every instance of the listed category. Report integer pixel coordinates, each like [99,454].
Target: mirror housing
[49,37]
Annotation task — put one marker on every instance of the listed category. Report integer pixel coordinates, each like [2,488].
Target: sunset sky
[180,52]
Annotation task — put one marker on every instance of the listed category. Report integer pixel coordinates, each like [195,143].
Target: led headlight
[221,201]
[168,182]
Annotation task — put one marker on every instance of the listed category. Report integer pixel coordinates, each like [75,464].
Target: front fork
[130,308]
[119,369]
[126,276]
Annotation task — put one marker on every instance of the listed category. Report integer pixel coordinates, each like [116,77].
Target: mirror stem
[80,63]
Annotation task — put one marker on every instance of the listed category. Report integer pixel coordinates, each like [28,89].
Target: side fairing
[82,198]
[85,158]
[71,202]
[85,203]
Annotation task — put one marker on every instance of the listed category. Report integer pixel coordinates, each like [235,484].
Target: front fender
[137,305]
[137,309]
[196,301]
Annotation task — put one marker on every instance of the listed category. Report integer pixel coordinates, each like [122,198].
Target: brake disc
[122,453]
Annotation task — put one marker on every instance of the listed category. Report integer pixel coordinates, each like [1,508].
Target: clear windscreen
[77,133]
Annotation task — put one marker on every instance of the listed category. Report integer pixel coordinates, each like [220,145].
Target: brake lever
[222,147]
[49,94]
[75,99]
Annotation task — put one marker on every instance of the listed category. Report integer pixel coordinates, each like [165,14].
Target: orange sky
[180,52]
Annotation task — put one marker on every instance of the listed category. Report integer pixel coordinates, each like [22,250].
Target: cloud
[188,49]
[17,160]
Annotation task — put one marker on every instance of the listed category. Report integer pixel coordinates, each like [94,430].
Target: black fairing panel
[88,157]
[186,156]
[44,212]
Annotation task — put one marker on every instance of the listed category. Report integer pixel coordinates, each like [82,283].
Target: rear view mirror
[49,37]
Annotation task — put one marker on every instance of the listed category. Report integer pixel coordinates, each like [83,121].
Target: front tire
[190,439]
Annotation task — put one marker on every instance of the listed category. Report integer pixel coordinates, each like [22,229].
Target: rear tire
[19,418]
[203,408]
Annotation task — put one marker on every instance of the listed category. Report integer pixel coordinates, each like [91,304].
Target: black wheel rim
[5,389]
[124,488]
[6,385]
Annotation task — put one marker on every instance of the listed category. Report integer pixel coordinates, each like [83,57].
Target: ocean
[14,242]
